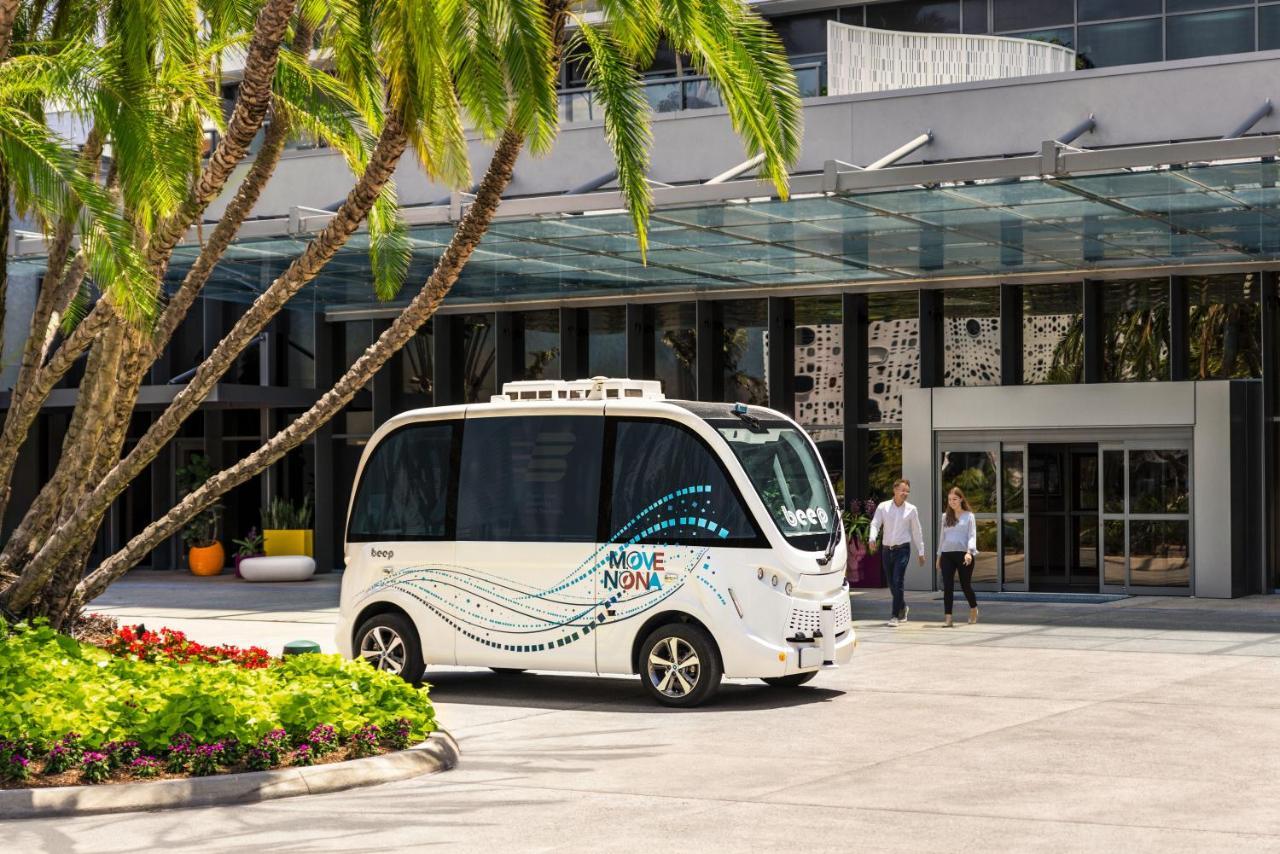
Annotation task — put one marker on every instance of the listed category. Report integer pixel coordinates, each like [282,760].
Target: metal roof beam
[1247,125]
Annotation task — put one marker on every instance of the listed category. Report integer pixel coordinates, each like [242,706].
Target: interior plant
[863,569]
[250,546]
[287,527]
[205,555]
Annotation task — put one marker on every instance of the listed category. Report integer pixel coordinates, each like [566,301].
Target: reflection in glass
[477,358]
[1015,552]
[1225,326]
[606,341]
[917,16]
[417,371]
[746,324]
[893,353]
[1085,479]
[974,472]
[1113,481]
[986,564]
[1121,43]
[1052,334]
[1012,481]
[675,350]
[1159,481]
[971,336]
[819,380]
[1209,33]
[1097,10]
[1086,540]
[1022,14]
[884,463]
[541,345]
[1113,552]
[1135,329]
[1159,554]
[1268,27]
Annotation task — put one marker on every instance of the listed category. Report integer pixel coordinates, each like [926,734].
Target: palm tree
[431,63]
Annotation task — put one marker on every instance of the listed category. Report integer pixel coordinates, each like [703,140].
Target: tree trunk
[8,14]
[359,201]
[475,223]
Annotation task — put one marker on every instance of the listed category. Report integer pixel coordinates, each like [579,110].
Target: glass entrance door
[975,469]
[1146,517]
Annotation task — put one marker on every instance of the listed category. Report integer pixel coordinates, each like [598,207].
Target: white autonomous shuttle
[595,526]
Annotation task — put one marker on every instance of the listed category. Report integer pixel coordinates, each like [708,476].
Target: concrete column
[918,466]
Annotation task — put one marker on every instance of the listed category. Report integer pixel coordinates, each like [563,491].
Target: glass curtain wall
[675,351]
[541,334]
[1052,334]
[1136,331]
[606,341]
[1224,326]
[893,363]
[478,358]
[819,379]
[746,324]
[971,337]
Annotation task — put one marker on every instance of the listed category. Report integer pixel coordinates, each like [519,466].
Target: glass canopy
[1203,214]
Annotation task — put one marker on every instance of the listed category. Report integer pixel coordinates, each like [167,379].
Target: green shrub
[53,685]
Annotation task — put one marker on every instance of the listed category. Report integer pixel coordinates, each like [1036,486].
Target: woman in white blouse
[957,546]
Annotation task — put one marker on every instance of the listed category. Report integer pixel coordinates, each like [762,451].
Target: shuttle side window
[531,479]
[670,488]
[404,490]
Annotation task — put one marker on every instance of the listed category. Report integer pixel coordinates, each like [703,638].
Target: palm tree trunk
[475,223]
[386,155]
[8,14]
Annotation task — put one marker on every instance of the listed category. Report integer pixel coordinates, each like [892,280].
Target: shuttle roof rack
[596,388]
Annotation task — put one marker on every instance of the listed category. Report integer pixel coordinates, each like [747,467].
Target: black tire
[508,671]
[795,680]
[702,677]
[375,643]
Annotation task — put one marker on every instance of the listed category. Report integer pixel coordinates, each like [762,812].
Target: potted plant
[250,546]
[286,528]
[205,555]
[863,569]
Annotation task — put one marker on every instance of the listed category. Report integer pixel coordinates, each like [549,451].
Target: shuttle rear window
[531,479]
[403,492]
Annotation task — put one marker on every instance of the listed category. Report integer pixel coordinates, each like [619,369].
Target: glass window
[1113,481]
[607,341]
[1159,554]
[919,16]
[530,479]
[356,337]
[745,327]
[1012,481]
[1172,6]
[893,353]
[884,463]
[1209,33]
[1225,326]
[478,381]
[1159,482]
[541,333]
[802,34]
[403,491]
[819,367]
[300,349]
[1269,28]
[1015,552]
[974,472]
[675,349]
[1121,43]
[971,336]
[986,566]
[1113,552]
[788,477]
[1025,14]
[417,371]
[1136,330]
[974,20]
[1065,36]
[669,488]
[1052,334]
[1102,10]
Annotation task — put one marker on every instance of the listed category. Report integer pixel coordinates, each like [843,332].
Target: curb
[438,753]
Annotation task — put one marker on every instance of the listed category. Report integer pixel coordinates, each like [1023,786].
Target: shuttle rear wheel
[795,680]
[389,642]
[679,665]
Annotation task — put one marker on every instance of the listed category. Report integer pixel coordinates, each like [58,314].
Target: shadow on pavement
[605,693]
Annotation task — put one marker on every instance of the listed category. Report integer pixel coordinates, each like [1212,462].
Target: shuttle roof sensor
[596,388]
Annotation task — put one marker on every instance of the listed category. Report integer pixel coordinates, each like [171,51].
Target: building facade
[1058,292]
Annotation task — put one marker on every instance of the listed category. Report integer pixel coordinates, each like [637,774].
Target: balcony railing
[676,94]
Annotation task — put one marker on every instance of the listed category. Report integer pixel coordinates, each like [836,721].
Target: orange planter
[206,560]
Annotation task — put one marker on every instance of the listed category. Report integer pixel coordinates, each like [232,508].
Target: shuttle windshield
[788,476]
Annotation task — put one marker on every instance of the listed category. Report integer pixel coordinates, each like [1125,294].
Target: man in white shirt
[900,522]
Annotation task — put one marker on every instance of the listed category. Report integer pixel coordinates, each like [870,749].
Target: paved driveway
[1144,725]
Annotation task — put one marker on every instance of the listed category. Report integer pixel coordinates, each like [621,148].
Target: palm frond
[473,28]
[389,249]
[529,56]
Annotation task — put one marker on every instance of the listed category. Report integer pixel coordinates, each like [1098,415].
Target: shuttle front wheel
[389,642]
[795,680]
[679,665]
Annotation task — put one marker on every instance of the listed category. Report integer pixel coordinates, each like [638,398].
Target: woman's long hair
[964,505]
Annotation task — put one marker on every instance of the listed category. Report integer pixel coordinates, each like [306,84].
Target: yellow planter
[285,542]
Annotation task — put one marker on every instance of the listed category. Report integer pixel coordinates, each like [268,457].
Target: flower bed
[157,705]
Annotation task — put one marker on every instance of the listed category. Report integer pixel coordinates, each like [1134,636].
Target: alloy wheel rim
[383,647]
[674,667]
